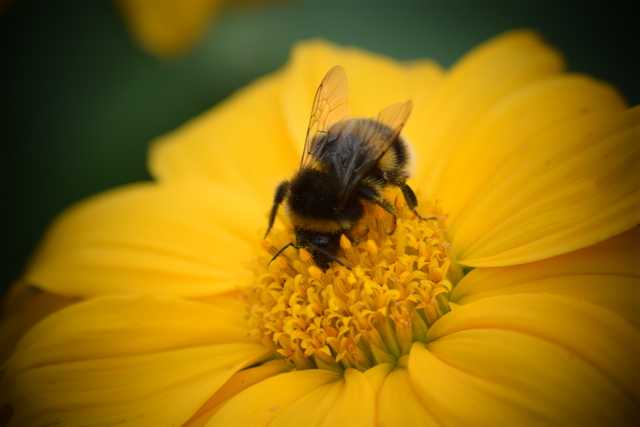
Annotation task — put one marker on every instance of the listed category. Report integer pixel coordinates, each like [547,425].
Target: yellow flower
[168,27]
[517,306]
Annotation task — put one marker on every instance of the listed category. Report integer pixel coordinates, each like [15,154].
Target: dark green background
[80,101]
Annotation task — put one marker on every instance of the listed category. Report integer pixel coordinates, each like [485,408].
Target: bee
[345,161]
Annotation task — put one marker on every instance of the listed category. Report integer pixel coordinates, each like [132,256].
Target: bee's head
[321,246]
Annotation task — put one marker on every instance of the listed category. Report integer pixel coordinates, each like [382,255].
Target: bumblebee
[345,161]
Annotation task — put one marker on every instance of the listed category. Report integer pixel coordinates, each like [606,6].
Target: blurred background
[84,89]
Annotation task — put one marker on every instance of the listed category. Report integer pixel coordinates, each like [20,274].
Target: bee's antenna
[281,250]
[330,256]
[314,247]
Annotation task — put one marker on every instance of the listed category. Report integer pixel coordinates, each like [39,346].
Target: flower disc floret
[396,287]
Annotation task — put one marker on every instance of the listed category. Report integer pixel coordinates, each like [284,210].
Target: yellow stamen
[379,215]
[397,288]
[372,251]
[347,247]
[268,247]
[306,257]
[284,265]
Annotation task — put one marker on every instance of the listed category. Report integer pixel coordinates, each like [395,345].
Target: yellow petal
[375,82]
[512,133]
[127,360]
[455,397]
[241,143]
[22,307]
[237,383]
[253,140]
[184,239]
[586,331]
[509,137]
[478,81]
[399,405]
[150,389]
[346,402]
[579,190]
[312,408]
[356,404]
[606,274]
[261,404]
[522,160]
[232,301]
[112,327]
[501,377]
[377,375]
[168,27]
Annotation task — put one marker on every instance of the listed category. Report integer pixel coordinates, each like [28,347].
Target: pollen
[396,286]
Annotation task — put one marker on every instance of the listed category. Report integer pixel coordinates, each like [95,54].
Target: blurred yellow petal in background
[170,28]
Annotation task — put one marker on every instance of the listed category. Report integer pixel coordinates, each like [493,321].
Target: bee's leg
[373,196]
[281,192]
[355,240]
[412,200]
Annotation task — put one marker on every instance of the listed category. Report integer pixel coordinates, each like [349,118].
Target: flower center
[398,286]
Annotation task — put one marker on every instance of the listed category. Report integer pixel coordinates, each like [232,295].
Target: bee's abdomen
[395,160]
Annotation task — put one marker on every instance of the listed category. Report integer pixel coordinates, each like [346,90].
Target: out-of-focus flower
[168,28]
[518,305]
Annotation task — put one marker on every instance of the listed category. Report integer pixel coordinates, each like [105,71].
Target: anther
[268,247]
[319,275]
[349,252]
[379,215]
[284,265]
[372,251]
[306,257]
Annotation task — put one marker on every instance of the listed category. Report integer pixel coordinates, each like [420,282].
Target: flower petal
[127,360]
[241,143]
[509,135]
[356,404]
[262,403]
[497,377]
[22,307]
[238,382]
[153,389]
[349,401]
[478,81]
[312,408]
[606,274]
[377,375]
[586,331]
[521,160]
[111,327]
[188,240]
[168,28]
[578,188]
[399,405]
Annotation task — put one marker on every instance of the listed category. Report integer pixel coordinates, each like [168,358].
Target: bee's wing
[329,106]
[370,142]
